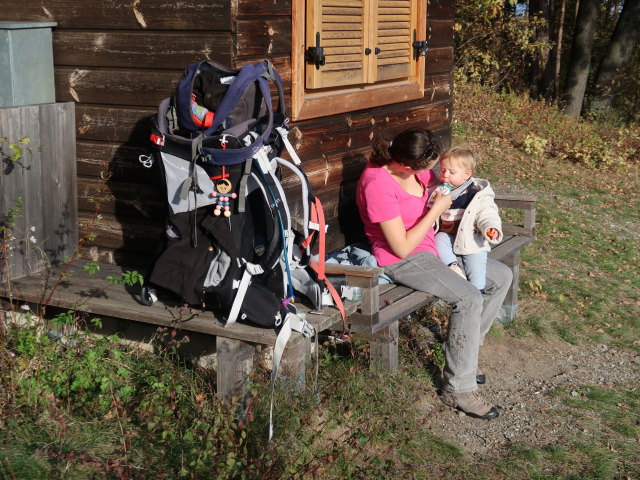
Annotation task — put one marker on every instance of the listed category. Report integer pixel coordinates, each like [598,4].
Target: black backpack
[230,244]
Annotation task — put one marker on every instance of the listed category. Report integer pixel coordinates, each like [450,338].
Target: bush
[537,128]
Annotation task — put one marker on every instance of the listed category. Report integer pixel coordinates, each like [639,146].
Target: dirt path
[522,374]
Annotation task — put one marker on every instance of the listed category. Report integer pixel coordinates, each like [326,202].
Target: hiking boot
[456,268]
[470,403]
[481,378]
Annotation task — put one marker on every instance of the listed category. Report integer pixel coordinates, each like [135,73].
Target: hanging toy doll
[223,197]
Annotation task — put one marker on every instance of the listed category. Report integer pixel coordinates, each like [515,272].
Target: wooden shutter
[343,28]
[396,20]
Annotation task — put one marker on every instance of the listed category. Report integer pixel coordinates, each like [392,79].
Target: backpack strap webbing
[317,215]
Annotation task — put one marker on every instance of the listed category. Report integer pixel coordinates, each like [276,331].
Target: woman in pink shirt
[392,198]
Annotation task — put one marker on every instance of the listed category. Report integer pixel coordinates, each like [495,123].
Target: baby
[472,224]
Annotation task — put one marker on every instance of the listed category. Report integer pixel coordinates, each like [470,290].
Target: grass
[92,409]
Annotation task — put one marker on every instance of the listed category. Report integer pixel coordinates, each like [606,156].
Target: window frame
[313,104]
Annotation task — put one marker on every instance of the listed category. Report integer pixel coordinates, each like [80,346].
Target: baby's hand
[492,233]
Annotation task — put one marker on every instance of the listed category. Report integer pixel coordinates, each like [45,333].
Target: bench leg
[296,356]
[235,362]
[384,349]
[509,307]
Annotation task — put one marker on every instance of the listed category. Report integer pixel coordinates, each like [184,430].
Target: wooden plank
[93,294]
[441,8]
[510,246]
[140,49]
[114,124]
[137,234]
[264,7]
[393,295]
[440,32]
[128,199]
[264,36]
[43,180]
[235,362]
[126,87]
[438,87]
[384,349]
[400,308]
[58,185]
[439,60]
[354,130]
[120,160]
[188,15]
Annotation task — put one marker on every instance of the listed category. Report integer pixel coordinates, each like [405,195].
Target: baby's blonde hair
[462,155]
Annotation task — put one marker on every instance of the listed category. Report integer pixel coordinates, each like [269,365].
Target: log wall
[117,60]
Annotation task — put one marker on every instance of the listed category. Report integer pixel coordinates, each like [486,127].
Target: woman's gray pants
[472,314]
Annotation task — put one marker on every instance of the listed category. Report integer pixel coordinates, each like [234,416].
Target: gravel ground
[522,375]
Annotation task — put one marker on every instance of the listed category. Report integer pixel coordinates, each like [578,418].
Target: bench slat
[393,295]
[510,246]
[93,294]
[401,308]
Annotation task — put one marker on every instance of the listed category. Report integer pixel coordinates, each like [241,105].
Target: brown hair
[415,148]
[463,155]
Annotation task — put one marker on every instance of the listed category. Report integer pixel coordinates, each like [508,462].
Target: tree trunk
[578,72]
[540,80]
[617,55]
[558,48]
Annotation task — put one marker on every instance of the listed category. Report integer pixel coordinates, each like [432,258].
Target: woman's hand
[441,203]
[403,242]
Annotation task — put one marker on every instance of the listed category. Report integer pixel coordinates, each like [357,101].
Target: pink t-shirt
[379,198]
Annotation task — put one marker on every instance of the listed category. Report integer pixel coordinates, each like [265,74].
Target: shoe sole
[481,379]
[493,413]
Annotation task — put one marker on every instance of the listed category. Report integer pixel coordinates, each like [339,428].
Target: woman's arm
[403,242]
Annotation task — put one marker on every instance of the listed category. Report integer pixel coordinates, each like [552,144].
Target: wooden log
[140,49]
[440,32]
[128,199]
[114,124]
[264,7]
[384,349]
[438,87]
[235,362]
[119,160]
[441,8]
[188,15]
[264,36]
[126,87]
[439,60]
[119,233]
[356,130]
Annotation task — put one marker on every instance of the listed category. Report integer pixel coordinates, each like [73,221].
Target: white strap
[284,134]
[263,160]
[292,322]
[249,270]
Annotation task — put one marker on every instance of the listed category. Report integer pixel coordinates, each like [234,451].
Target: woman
[392,198]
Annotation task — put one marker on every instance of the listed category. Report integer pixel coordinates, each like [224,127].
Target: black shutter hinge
[420,47]
[316,54]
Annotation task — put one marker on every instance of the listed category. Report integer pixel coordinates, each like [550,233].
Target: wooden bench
[375,318]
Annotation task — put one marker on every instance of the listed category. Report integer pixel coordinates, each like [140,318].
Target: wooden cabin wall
[117,60]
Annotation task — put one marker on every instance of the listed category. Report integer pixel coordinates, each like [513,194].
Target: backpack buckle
[157,139]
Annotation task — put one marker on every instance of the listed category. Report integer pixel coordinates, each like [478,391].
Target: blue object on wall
[26,63]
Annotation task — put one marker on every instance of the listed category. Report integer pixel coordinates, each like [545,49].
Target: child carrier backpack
[230,243]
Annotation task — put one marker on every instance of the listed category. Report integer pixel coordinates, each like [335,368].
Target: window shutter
[342,28]
[396,20]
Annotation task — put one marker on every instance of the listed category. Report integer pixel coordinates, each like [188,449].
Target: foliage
[494,47]
[16,150]
[541,130]
[98,405]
